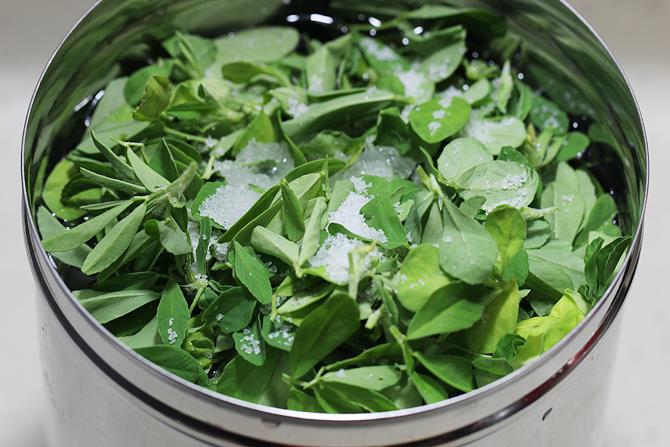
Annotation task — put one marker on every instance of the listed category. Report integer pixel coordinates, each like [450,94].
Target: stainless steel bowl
[102,394]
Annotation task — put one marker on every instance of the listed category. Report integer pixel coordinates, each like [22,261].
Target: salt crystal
[172,336]
[296,108]
[348,214]
[220,250]
[228,204]
[210,142]
[249,343]
[449,94]
[360,186]
[334,256]
[381,161]
[414,83]
[382,53]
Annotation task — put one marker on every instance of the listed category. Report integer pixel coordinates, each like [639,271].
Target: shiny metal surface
[104,395]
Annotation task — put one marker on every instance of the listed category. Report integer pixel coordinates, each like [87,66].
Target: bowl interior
[561,54]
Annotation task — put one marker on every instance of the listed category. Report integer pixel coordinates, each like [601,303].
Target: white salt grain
[296,108]
[228,204]
[382,161]
[348,214]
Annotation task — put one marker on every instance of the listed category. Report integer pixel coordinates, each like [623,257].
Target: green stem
[196,299]
[178,133]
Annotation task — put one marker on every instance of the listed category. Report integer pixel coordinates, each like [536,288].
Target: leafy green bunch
[357,225]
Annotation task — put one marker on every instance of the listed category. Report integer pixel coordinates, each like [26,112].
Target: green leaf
[173,315]
[50,227]
[106,307]
[564,194]
[575,143]
[278,333]
[381,57]
[115,243]
[134,88]
[269,243]
[323,330]
[305,298]
[500,183]
[451,309]
[496,133]
[376,378]
[231,311]
[601,214]
[321,70]
[260,130]
[436,120]
[545,114]
[380,214]
[393,131]
[556,266]
[250,345]
[541,333]
[243,72]
[78,235]
[467,250]
[379,354]
[163,161]
[147,336]
[59,177]
[505,88]
[151,180]
[443,63]
[332,397]
[293,216]
[253,274]
[171,237]
[419,276]
[311,239]
[538,233]
[478,92]
[202,247]
[261,44]
[602,264]
[176,361]
[461,155]
[300,401]
[431,390]
[329,113]
[242,380]
[113,183]
[194,53]
[117,162]
[453,370]
[155,100]
[508,228]
[499,319]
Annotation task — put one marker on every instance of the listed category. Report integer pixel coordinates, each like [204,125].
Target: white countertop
[636,31]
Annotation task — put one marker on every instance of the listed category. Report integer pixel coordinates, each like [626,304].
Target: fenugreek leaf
[79,235]
[173,315]
[115,243]
[252,273]
[292,212]
[322,331]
